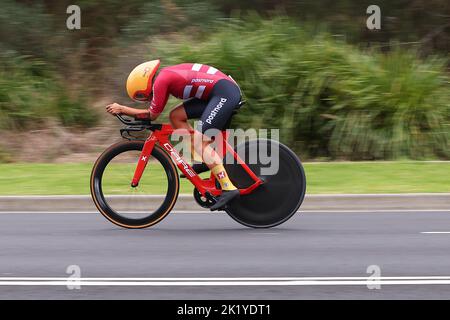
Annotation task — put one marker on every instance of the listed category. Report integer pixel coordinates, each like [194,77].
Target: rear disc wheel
[283,191]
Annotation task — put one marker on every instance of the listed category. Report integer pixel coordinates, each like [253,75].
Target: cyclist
[208,95]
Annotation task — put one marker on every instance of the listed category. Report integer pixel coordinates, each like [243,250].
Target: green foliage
[25,28]
[328,98]
[160,17]
[24,92]
[30,93]
[397,108]
[75,112]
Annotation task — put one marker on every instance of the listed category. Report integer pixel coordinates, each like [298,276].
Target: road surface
[39,247]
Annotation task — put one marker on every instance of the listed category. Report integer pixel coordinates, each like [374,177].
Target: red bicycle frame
[161,136]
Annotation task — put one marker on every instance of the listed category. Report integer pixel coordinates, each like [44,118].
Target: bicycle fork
[143,160]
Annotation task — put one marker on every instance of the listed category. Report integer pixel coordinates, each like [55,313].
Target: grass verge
[376,177]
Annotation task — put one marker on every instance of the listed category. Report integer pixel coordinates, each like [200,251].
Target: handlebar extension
[130,122]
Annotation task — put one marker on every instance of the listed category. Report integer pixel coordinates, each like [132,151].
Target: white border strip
[223,278]
[282,281]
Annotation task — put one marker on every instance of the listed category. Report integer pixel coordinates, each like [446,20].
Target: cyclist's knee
[177,115]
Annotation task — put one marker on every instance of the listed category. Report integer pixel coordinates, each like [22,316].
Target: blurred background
[335,89]
[311,68]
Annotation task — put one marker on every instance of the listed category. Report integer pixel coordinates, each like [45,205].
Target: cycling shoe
[225,198]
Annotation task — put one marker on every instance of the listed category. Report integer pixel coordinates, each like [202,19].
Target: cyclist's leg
[223,100]
[178,117]
[190,109]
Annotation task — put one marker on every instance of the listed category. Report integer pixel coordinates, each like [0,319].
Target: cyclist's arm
[116,108]
[144,114]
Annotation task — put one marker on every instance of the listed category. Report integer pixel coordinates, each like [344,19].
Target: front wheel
[134,207]
[282,193]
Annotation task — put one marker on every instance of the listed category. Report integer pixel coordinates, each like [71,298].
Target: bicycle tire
[275,201]
[102,204]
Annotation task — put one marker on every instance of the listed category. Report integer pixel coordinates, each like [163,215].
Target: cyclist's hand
[114,108]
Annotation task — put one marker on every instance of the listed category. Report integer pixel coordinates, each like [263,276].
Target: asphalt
[202,245]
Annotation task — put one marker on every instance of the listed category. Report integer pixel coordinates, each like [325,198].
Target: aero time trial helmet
[139,82]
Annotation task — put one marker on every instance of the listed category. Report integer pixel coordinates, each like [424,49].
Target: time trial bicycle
[135,184]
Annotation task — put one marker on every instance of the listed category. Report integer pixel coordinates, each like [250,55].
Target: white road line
[283,281]
[231,283]
[223,278]
[436,232]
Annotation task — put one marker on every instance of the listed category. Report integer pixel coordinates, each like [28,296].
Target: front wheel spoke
[128,206]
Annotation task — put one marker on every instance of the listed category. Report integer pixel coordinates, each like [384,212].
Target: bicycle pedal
[225,198]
